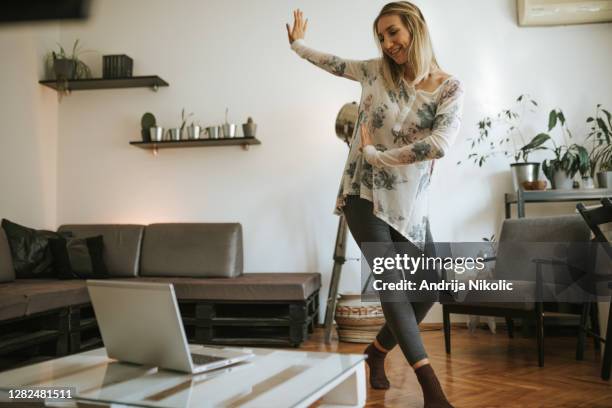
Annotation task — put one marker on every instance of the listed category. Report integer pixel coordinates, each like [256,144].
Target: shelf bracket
[155,88]
[245,146]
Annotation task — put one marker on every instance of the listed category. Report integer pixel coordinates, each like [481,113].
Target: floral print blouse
[410,128]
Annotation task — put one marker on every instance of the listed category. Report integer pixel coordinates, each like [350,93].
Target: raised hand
[299,26]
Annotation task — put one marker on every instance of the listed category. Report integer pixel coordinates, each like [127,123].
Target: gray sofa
[220,304]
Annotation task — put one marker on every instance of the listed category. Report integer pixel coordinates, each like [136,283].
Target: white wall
[218,53]
[28,116]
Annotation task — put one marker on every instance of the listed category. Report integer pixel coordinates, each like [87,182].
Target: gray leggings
[402,317]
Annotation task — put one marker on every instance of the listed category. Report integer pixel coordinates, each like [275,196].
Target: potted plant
[184,117]
[229,129]
[67,67]
[604,176]
[600,133]
[509,143]
[249,128]
[569,158]
[177,132]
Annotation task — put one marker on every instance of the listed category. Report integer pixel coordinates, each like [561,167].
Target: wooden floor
[491,370]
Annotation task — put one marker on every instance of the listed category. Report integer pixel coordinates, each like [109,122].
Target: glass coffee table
[273,378]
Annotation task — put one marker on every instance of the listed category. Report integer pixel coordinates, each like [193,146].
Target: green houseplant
[67,67]
[569,159]
[502,134]
[184,118]
[600,133]
[176,133]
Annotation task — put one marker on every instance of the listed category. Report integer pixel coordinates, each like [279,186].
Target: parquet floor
[491,370]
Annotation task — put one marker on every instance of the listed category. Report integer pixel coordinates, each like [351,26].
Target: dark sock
[433,395]
[376,362]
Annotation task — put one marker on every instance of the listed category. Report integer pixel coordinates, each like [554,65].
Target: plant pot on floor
[358,322]
[522,172]
[604,179]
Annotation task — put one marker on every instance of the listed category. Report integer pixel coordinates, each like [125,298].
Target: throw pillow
[79,258]
[30,250]
[7,271]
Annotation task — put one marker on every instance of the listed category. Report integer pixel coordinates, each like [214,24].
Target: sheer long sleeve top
[410,129]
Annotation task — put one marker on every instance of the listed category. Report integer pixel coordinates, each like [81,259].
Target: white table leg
[350,392]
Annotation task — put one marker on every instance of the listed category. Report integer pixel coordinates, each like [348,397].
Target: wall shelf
[245,142]
[151,81]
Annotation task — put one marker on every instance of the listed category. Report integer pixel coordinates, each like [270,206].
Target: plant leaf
[552,120]
[537,141]
[602,125]
[583,159]
[607,115]
[561,117]
[74,48]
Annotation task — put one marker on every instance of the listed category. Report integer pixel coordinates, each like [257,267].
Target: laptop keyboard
[200,359]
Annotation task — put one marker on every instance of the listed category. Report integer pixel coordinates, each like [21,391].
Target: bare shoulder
[434,81]
[439,77]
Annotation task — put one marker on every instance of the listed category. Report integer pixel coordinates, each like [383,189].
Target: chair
[526,275]
[595,218]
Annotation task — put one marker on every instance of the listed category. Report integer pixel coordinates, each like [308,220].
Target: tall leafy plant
[502,134]
[600,133]
[569,158]
[184,118]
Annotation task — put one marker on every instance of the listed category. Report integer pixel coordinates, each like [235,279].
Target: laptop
[140,323]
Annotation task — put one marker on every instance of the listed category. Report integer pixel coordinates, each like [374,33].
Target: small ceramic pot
[229,130]
[175,134]
[156,133]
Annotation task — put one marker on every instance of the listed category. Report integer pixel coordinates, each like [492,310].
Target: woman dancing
[409,116]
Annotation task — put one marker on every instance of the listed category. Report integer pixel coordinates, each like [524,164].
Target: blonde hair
[421,57]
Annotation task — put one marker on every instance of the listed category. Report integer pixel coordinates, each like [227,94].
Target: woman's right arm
[443,133]
[351,69]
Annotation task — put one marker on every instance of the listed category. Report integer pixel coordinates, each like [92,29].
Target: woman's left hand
[366,136]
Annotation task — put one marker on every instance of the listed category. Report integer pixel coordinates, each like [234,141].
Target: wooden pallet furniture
[83,328]
[43,334]
[233,322]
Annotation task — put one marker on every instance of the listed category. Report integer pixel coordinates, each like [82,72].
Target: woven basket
[358,322]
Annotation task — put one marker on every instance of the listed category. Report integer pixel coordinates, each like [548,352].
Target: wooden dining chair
[595,218]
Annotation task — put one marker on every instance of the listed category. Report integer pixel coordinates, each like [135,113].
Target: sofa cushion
[192,250]
[12,305]
[79,257]
[249,286]
[7,272]
[30,250]
[45,294]
[28,296]
[122,243]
